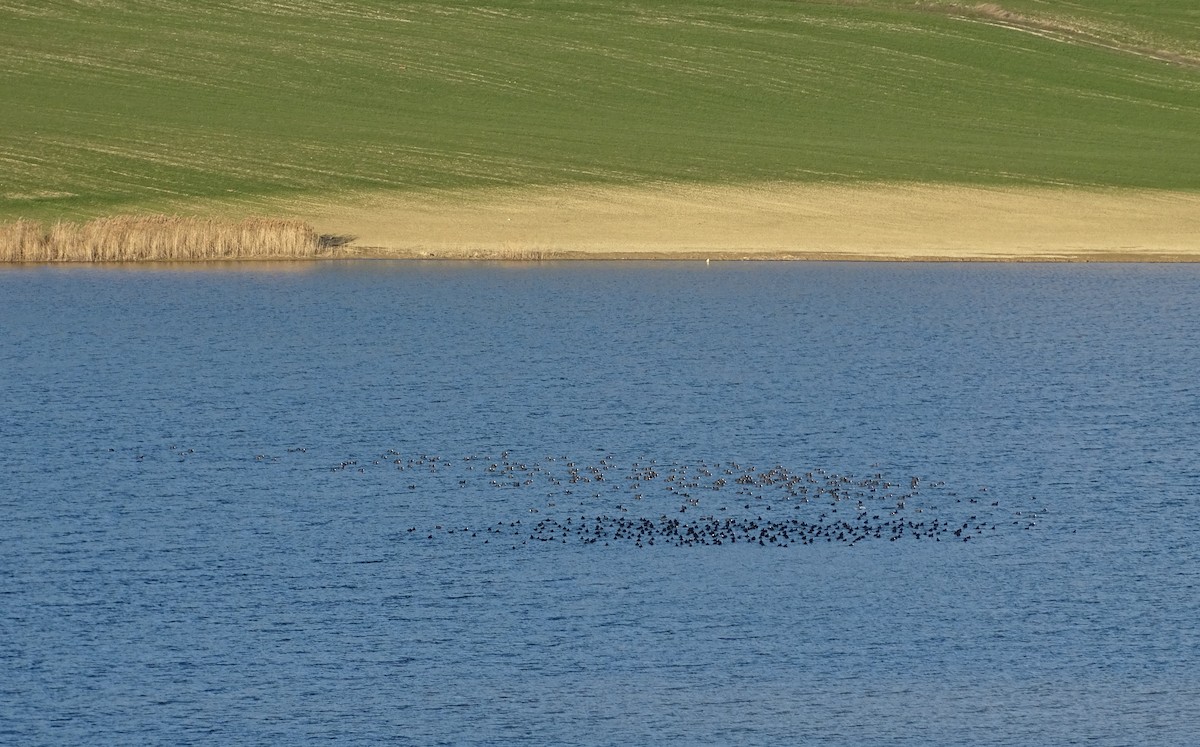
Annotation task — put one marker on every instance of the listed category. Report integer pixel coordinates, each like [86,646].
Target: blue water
[254,504]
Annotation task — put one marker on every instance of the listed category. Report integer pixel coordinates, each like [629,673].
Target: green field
[113,106]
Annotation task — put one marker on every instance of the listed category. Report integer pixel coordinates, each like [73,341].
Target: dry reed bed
[160,238]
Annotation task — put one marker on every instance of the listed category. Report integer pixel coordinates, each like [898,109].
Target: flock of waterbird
[646,502]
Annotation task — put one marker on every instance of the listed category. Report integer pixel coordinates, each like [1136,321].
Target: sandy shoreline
[881,222]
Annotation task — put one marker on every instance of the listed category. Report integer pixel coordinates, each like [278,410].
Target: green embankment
[153,105]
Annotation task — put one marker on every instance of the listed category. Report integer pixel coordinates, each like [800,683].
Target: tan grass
[767,221]
[157,238]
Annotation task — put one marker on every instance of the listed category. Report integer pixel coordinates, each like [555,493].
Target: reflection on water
[235,498]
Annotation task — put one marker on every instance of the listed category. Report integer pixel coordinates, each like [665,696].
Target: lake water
[600,503]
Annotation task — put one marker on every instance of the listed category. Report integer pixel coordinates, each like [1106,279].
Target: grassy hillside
[1169,25]
[160,104]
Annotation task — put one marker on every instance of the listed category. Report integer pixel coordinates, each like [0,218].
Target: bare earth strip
[770,221]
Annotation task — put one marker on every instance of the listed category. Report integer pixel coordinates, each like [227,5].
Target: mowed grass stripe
[112,107]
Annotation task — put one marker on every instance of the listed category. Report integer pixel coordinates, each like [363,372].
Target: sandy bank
[770,221]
